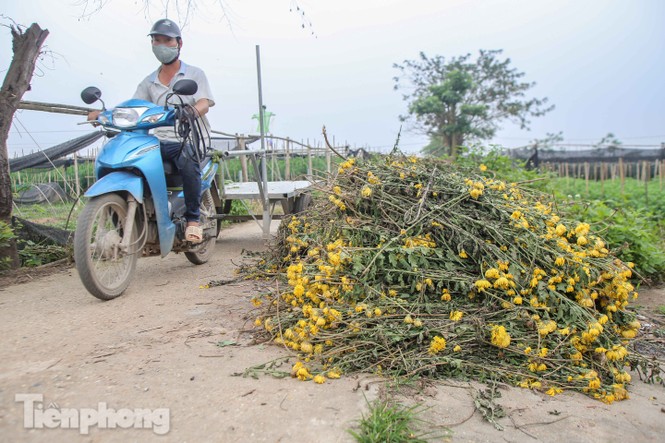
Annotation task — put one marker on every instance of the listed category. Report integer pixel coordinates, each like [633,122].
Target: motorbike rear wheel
[103,266]
[202,252]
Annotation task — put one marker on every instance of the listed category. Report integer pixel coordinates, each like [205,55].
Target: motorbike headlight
[127,117]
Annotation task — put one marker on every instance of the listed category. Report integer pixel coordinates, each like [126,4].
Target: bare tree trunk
[448,143]
[453,146]
[26,46]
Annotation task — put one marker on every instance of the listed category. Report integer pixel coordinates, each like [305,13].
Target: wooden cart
[293,195]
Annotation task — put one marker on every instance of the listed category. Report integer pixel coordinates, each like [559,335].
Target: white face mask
[166,54]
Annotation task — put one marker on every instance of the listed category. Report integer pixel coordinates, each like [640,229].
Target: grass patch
[390,422]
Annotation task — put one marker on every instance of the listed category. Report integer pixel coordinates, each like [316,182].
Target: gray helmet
[165,27]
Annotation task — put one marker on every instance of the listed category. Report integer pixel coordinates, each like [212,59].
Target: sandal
[194,234]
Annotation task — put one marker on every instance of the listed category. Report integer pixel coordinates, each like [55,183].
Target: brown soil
[168,343]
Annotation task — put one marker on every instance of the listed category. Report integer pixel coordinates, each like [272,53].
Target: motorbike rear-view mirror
[90,95]
[185,87]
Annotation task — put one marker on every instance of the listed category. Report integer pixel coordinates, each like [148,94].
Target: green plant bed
[633,193]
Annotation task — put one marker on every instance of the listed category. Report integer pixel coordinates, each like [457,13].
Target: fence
[287,159]
[599,163]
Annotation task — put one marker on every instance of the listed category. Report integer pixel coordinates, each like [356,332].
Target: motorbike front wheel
[104,266]
[202,252]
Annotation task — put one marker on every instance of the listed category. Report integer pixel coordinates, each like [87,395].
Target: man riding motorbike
[167,42]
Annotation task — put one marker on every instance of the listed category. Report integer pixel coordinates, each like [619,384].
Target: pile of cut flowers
[417,267]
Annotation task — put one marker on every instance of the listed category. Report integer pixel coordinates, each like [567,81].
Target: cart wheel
[302,202]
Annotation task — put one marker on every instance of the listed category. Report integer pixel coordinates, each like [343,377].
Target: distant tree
[461,99]
[26,46]
[548,142]
[609,141]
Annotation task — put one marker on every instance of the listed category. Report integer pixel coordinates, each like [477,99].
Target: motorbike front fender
[117,181]
[126,181]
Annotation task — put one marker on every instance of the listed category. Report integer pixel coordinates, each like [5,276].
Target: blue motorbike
[136,206]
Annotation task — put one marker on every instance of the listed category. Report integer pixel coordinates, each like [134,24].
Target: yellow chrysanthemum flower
[492,273]
[437,345]
[500,338]
[482,285]
[554,391]
[456,315]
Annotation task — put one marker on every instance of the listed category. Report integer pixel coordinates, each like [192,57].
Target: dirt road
[166,352]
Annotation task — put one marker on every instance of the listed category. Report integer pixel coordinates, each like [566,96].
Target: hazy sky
[601,62]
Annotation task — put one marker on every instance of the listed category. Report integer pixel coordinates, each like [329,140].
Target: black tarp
[42,193]
[606,154]
[46,156]
[41,234]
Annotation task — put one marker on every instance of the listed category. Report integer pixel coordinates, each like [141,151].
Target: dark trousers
[190,170]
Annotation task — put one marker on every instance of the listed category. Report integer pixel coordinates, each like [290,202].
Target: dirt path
[167,343]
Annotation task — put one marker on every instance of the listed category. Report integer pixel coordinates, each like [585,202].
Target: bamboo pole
[243,159]
[646,182]
[76,176]
[273,164]
[54,107]
[622,174]
[309,160]
[287,160]
[329,159]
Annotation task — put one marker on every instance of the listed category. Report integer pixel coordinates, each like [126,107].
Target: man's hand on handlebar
[92,117]
[189,112]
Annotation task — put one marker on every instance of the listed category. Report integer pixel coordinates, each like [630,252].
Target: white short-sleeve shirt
[152,90]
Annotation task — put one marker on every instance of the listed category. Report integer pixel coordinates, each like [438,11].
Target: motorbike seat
[173,177]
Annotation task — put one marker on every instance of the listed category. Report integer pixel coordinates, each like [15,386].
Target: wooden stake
[647,173]
[287,160]
[76,176]
[243,159]
[309,160]
[622,174]
[329,158]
